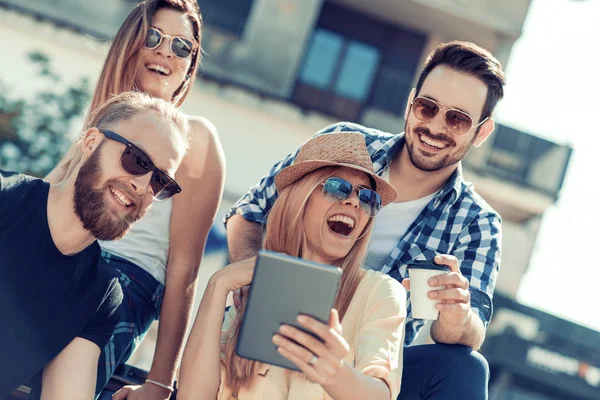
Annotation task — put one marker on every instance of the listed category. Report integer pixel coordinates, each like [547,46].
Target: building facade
[276,71]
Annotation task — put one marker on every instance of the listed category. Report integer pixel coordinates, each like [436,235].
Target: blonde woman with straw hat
[324,213]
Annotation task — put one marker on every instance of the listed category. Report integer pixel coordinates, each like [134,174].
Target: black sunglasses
[338,189]
[137,163]
[181,46]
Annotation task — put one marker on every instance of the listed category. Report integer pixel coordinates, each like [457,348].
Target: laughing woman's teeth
[159,68]
[341,224]
[343,218]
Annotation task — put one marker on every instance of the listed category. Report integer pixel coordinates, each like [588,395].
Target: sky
[553,83]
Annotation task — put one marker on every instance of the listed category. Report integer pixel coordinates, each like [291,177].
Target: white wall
[518,241]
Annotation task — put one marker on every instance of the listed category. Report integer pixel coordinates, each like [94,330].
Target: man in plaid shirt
[437,216]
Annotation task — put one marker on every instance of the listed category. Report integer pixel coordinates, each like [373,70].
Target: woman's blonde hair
[285,233]
[120,67]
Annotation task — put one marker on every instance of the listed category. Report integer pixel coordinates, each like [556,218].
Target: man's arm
[466,301]
[244,238]
[458,323]
[245,219]
[71,375]
[469,332]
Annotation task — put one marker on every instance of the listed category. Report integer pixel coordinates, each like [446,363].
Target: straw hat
[343,149]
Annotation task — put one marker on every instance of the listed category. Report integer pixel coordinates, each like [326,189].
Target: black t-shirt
[46,298]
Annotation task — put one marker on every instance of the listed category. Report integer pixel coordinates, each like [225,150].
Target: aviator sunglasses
[458,122]
[338,189]
[181,46]
[137,163]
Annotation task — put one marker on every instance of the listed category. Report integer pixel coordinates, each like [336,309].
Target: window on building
[347,70]
[358,69]
[337,74]
[398,72]
[229,16]
[322,59]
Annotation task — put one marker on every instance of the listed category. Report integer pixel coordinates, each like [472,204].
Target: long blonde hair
[121,64]
[120,67]
[285,233]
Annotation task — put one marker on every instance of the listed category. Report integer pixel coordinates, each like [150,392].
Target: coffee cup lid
[426,264]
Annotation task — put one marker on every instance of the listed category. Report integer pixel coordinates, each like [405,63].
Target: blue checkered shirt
[456,221]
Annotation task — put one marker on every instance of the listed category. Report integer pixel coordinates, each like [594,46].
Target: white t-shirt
[391,223]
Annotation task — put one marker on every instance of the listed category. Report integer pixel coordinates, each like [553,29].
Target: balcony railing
[523,159]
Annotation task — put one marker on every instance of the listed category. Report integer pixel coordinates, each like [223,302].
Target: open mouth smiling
[158,69]
[121,197]
[434,144]
[341,224]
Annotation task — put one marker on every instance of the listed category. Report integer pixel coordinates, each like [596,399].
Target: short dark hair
[473,60]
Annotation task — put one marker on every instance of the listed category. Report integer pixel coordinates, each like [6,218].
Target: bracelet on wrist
[162,385]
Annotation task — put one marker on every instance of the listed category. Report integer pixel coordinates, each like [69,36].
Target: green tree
[34,133]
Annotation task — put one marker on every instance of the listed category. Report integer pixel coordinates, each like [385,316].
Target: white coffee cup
[419,273]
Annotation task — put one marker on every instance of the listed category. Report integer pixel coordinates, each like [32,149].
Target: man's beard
[90,204]
[436,162]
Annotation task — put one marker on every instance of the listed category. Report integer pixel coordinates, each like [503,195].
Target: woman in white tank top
[157,50]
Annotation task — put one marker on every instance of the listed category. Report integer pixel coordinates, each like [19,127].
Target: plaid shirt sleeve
[255,204]
[478,251]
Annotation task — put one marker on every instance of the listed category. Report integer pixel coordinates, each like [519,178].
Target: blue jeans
[142,298]
[445,372]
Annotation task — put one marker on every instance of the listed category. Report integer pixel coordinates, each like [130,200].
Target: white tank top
[147,243]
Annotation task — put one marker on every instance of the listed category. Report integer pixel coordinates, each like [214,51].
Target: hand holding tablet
[284,288]
[320,360]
